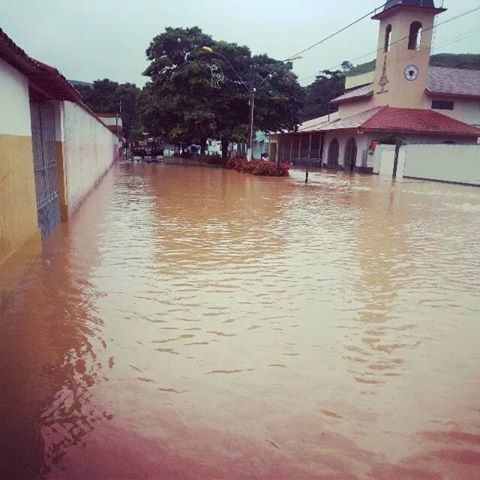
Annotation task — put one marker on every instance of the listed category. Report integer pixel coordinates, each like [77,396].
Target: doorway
[350,158]
[45,165]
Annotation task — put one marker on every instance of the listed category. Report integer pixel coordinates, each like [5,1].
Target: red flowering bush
[258,167]
[270,169]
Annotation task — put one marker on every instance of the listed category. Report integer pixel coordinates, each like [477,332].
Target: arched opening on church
[350,158]
[333,153]
[415,37]
[388,38]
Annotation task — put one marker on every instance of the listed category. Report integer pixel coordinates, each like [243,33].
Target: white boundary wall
[89,150]
[384,161]
[448,163]
[440,162]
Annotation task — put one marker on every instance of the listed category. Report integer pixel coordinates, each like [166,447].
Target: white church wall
[449,163]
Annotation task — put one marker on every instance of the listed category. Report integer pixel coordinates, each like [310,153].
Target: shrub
[258,167]
[212,160]
[270,169]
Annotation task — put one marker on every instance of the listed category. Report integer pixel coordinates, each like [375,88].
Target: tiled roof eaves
[443,94]
[351,99]
[43,77]
[407,131]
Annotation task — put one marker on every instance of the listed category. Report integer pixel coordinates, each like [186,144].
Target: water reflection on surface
[204,324]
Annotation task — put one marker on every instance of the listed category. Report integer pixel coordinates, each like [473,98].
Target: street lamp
[251,89]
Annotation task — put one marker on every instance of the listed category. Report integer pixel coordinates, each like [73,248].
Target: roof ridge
[455,68]
[38,72]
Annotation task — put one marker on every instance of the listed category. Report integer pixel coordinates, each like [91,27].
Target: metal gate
[45,165]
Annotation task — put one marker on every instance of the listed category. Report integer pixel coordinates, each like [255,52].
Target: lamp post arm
[243,82]
[272,70]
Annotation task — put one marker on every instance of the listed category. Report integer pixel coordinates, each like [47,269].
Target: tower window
[388,38]
[415,38]
[443,105]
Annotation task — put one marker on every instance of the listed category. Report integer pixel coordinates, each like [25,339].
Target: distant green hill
[466,61]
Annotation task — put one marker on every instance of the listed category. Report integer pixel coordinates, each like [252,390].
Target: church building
[404,99]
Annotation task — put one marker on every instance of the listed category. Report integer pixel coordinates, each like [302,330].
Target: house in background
[113,121]
[403,99]
[260,146]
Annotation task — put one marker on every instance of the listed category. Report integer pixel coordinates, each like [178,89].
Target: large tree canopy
[328,84]
[183,105]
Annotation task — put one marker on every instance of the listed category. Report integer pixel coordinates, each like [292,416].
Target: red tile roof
[397,120]
[417,121]
[354,122]
[45,79]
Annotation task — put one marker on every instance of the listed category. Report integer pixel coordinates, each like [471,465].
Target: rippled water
[204,324]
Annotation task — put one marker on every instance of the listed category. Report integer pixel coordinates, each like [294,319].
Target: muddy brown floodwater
[201,324]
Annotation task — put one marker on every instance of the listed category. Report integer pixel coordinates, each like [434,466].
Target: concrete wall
[18,210]
[384,159]
[363,143]
[348,109]
[467,111]
[89,149]
[449,163]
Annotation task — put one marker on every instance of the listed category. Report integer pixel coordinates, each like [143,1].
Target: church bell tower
[403,55]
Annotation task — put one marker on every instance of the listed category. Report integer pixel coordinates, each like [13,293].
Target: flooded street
[202,324]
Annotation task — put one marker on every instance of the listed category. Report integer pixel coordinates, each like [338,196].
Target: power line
[375,52]
[459,38]
[338,32]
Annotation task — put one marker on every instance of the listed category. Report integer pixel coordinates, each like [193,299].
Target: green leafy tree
[176,105]
[183,106]
[327,86]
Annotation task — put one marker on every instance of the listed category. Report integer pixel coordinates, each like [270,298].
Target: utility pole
[248,85]
[399,143]
[252,116]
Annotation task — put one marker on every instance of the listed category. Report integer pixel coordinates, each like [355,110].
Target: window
[443,104]
[388,38]
[415,38]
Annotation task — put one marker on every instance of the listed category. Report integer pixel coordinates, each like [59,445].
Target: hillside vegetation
[466,61]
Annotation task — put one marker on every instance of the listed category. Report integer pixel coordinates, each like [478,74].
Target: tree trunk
[225,143]
[203,146]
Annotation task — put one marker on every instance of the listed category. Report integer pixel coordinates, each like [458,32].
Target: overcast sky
[90,39]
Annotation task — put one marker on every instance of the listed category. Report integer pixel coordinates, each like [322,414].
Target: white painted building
[403,100]
[53,149]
